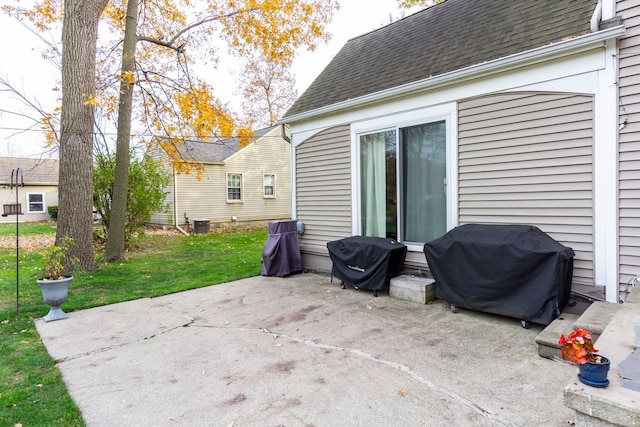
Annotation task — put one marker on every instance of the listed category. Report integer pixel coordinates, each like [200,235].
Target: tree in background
[269,90]
[75,194]
[406,4]
[117,230]
[147,181]
[168,102]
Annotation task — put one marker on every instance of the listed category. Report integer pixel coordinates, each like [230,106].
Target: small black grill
[366,262]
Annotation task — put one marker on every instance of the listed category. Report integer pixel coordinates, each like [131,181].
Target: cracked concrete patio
[300,351]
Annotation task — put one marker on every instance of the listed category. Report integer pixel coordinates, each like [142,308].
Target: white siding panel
[629,141]
[165,216]
[323,191]
[528,159]
[8,195]
[205,198]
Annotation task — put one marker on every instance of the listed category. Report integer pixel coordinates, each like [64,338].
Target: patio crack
[405,370]
[187,323]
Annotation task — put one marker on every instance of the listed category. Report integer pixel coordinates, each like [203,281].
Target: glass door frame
[446,112]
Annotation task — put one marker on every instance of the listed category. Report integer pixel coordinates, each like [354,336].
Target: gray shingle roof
[208,152]
[214,152]
[34,171]
[446,37]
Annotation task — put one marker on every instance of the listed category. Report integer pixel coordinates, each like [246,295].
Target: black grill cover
[366,262]
[510,270]
[281,253]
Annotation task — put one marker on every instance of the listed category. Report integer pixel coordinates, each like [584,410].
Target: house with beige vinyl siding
[37,188]
[238,185]
[479,111]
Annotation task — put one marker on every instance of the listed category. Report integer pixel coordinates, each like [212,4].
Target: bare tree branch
[171,43]
[46,121]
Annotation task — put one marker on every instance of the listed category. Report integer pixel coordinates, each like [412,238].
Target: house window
[402,183]
[35,202]
[234,187]
[269,185]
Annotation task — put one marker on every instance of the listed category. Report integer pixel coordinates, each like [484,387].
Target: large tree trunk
[115,239]
[75,198]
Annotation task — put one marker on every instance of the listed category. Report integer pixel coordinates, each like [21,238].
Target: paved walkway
[299,351]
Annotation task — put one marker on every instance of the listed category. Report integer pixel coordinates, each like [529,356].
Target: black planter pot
[595,374]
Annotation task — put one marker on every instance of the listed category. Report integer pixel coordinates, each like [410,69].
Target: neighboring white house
[479,111]
[239,185]
[40,190]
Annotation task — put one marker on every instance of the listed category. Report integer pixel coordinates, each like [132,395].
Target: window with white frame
[234,187]
[269,185]
[403,182]
[35,202]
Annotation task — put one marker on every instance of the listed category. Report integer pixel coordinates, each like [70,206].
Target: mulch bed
[29,243]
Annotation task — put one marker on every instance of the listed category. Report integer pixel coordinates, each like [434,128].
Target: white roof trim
[562,48]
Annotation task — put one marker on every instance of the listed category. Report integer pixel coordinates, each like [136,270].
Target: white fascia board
[606,179]
[542,54]
[299,137]
[577,73]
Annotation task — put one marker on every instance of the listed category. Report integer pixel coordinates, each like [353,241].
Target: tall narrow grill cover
[281,253]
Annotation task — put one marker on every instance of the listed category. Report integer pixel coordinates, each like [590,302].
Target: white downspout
[175,202]
[181,230]
[596,17]
[175,197]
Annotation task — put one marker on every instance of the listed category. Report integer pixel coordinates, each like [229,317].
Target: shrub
[147,183]
[53,211]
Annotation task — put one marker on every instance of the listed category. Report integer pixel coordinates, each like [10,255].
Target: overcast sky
[354,18]
[24,68]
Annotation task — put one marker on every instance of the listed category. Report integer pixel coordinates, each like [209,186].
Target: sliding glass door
[423,164]
[402,183]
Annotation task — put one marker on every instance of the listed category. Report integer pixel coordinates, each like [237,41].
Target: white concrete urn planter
[54,293]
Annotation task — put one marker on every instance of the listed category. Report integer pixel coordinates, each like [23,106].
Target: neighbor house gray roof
[33,171]
[446,37]
[214,152]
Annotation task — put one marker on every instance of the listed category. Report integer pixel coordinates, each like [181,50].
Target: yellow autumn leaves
[170,102]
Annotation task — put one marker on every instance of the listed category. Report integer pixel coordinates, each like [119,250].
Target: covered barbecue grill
[281,253]
[366,262]
[511,270]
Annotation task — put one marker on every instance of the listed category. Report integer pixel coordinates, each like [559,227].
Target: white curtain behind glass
[373,184]
[424,171]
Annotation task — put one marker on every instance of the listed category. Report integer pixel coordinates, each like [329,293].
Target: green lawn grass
[32,392]
[9,229]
